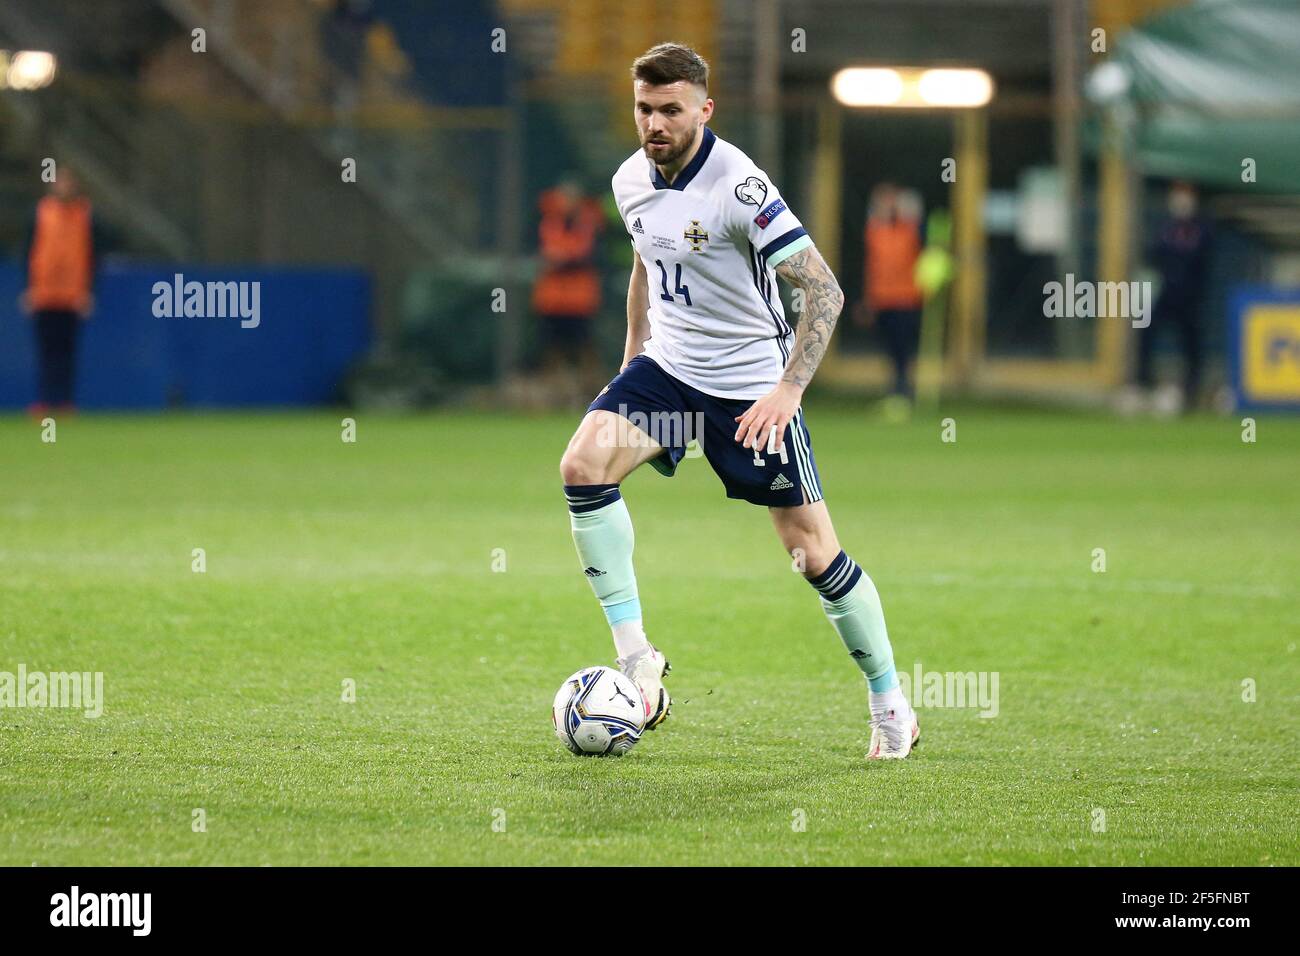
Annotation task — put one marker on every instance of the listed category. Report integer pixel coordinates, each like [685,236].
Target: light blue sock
[602,532]
[852,606]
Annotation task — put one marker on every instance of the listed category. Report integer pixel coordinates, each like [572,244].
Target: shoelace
[893,736]
[645,659]
[622,662]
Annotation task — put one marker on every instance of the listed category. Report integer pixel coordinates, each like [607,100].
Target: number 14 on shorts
[760,462]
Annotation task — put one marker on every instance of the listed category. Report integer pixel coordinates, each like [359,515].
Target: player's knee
[579,467]
[816,563]
[815,554]
[572,471]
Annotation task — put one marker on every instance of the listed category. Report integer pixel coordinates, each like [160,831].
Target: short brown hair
[670,62]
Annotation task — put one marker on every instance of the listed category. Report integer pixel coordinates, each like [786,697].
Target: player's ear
[707,110]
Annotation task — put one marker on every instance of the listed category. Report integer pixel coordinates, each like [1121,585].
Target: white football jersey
[710,243]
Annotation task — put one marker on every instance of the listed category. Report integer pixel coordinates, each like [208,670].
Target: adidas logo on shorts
[780,483]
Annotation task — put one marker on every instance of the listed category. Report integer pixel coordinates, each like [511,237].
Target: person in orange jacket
[893,244]
[566,295]
[61,256]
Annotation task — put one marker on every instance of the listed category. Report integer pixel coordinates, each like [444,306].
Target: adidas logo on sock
[780,483]
[592,572]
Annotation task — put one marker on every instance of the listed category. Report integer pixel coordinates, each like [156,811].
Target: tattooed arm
[822,302]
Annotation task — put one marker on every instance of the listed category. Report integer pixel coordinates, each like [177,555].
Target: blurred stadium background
[208,536]
[226,164]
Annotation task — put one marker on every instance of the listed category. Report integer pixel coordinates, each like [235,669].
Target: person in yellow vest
[61,255]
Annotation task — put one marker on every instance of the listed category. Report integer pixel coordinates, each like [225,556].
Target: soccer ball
[598,713]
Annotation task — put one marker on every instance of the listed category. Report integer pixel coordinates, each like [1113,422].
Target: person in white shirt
[712,357]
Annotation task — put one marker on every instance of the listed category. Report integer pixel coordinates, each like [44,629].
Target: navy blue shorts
[674,414]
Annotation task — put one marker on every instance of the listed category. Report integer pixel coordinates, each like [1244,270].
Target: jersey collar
[691,169]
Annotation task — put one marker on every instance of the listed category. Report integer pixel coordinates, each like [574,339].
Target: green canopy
[1213,84]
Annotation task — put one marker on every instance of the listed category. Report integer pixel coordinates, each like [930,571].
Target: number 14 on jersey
[680,289]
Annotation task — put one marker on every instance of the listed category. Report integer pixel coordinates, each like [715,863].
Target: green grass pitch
[1120,693]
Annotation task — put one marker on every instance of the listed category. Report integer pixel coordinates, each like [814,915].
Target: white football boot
[647,671]
[893,735]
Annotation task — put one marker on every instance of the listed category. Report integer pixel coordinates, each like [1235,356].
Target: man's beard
[674,153]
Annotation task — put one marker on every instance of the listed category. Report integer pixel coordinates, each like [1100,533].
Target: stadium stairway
[16,181]
[261,45]
[90,129]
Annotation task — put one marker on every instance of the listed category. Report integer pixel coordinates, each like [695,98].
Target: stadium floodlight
[859,86]
[30,70]
[912,87]
[955,87]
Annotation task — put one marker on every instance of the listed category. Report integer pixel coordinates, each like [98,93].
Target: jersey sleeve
[618,204]
[760,215]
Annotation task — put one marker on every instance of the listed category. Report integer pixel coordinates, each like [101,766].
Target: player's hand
[776,410]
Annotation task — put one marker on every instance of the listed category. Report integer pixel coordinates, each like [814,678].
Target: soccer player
[708,342]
